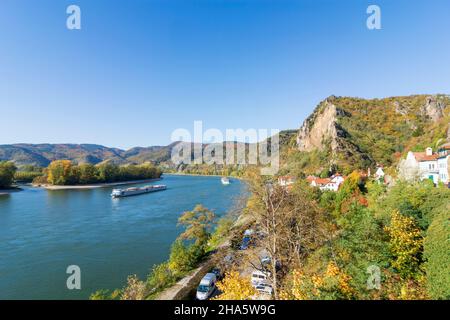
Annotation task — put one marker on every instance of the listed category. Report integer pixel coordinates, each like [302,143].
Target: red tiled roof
[422,156]
[323,180]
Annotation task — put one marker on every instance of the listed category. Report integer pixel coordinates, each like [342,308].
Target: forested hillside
[353,133]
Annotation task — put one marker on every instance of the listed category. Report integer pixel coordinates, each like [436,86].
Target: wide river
[43,232]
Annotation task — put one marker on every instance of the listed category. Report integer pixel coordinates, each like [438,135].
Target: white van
[206,287]
[259,277]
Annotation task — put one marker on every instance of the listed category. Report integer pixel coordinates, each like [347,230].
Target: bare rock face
[434,108]
[321,126]
[401,109]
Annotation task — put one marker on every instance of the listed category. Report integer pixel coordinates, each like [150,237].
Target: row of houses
[416,166]
[329,184]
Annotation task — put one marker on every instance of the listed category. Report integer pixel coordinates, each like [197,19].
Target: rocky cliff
[362,132]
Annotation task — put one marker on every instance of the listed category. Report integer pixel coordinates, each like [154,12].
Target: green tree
[437,255]
[88,173]
[7,171]
[107,172]
[183,257]
[198,223]
[160,277]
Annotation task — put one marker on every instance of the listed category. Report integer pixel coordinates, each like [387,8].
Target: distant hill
[353,133]
[42,154]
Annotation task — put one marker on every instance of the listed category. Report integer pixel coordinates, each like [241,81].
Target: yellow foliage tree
[135,289]
[405,244]
[235,287]
[334,283]
[59,172]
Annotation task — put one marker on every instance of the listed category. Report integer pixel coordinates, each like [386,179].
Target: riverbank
[184,288]
[201,175]
[4,192]
[93,186]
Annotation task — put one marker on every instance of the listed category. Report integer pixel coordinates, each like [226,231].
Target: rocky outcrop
[434,108]
[321,128]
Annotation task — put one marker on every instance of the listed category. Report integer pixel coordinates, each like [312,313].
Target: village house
[443,162]
[285,181]
[326,184]
[426,165]
[379,174]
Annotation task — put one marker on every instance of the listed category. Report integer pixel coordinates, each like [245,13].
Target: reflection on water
[42,232]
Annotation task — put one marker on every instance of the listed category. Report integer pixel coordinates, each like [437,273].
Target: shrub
[437,254]
[7,171]
[183,258]
[405,244]
[160,277]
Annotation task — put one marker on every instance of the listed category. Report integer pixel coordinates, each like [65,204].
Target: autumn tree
[235,287]
[290,221]
[405,244]
[198,224]
[59,172]
[333,283]
[134,290]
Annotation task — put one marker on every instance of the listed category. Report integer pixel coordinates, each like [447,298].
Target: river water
[43,232]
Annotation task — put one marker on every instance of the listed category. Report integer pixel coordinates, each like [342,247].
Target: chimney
[429,151]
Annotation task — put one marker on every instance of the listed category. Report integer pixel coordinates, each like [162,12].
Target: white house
[379,174]
[285,181]
[421,165]
[443,163]
[327,184]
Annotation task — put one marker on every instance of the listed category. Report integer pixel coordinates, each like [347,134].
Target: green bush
[184,258]
[27,176]
[160,277]
[7,171]
[437,254]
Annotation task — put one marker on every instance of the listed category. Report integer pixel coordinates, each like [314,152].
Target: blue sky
[137,70]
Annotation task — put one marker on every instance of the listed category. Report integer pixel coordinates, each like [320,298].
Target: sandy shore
[94,186]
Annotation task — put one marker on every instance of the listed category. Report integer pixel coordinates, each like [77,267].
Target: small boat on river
[120,193]
[225,180]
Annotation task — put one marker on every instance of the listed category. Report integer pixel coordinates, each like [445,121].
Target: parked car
[206,287]
[261,234]
[259,277]
[245,243]
[264,288]
[266,260]
[217,272]
[228,260]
